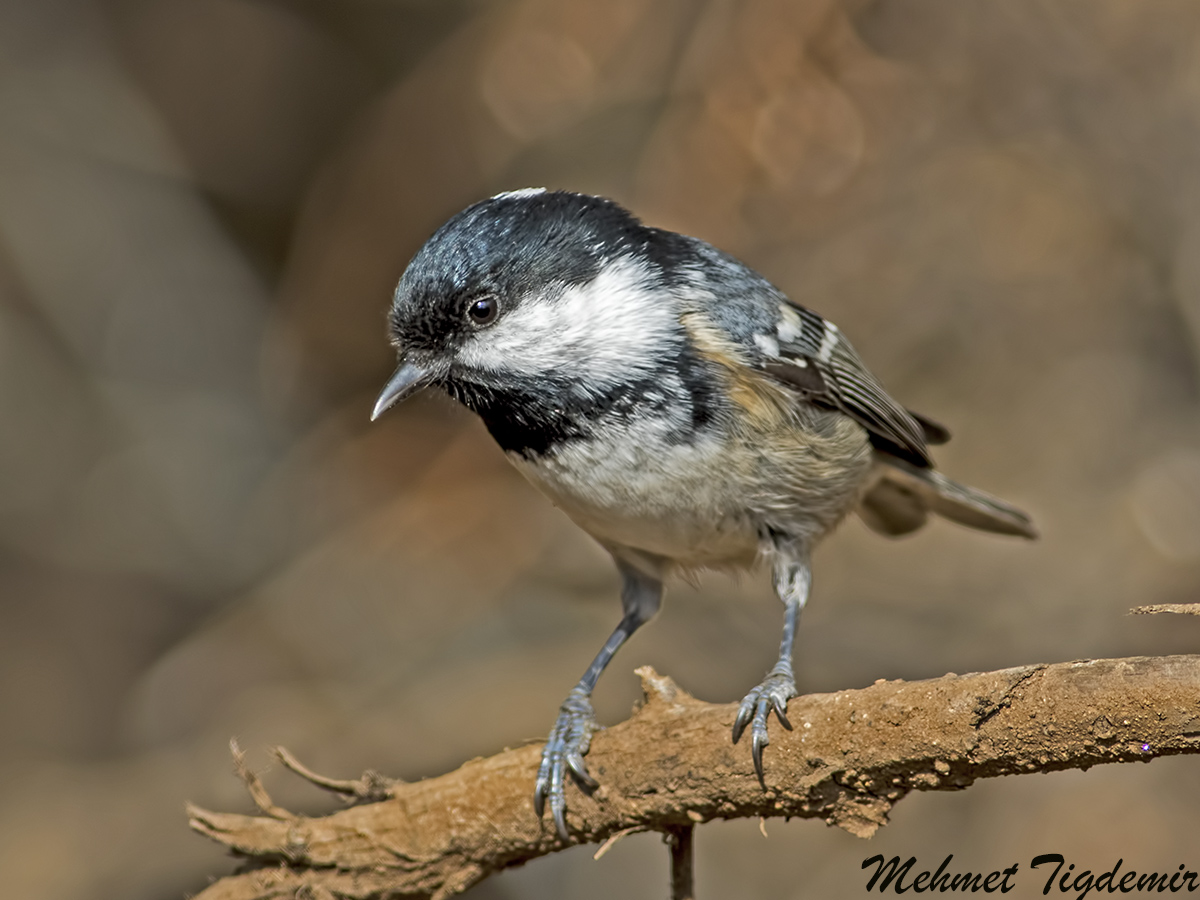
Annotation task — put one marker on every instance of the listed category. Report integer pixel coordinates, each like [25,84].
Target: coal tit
[671,401]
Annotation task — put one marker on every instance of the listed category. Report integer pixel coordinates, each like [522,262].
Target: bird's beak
[407,380]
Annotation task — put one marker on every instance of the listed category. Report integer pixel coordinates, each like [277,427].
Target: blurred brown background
[204,205]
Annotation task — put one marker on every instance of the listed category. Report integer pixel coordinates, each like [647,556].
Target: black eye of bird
[483,310]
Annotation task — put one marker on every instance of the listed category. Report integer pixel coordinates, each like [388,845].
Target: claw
[773,694]
[745,713]
[560,821]
[542,789]
[579,772]
[757,744]
[780,707]
[563,753]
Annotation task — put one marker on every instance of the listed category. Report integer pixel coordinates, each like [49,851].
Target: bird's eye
[483,311]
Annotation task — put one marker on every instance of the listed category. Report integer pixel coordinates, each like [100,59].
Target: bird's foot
[773,694]
[564,752]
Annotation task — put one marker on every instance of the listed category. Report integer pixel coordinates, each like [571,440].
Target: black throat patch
[531,415]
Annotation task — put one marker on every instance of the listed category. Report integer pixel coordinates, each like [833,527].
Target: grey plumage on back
[811,355]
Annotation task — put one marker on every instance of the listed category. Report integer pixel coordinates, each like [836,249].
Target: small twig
[612,839]
[1183,609]
[679,839]
[370,788]
[254,785]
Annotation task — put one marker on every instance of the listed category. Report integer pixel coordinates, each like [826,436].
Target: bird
[675,404]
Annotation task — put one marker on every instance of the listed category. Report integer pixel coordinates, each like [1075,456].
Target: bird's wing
[811,356]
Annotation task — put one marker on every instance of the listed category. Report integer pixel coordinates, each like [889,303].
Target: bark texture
[852,756]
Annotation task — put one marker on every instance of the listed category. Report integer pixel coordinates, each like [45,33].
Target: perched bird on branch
[671,401]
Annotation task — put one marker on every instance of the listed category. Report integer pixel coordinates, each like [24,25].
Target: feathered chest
[710,495]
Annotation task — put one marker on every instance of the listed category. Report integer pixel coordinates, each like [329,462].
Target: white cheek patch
[606,331]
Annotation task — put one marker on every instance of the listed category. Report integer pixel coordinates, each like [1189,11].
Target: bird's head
[548,296]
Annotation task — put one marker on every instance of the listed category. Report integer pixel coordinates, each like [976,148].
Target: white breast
[635,488]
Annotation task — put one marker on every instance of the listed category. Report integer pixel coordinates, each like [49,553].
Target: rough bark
[852,755]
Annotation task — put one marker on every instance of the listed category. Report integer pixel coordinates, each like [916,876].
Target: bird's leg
[793,578]
[572,731]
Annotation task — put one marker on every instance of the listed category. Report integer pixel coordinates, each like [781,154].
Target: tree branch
[852,755]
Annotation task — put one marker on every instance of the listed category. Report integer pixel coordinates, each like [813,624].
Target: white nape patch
[828,342]
[606,331]
[523,192]
[767,344]
[790,328]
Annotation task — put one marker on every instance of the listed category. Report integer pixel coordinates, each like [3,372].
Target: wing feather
[816,359]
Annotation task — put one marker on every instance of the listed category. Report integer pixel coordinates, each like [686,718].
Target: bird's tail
[900,497]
